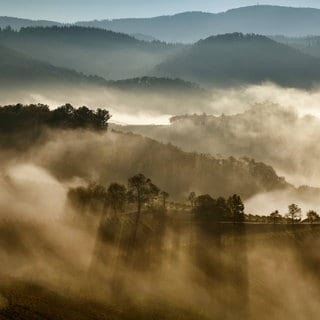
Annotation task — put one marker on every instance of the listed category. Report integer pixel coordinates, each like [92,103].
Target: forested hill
[309,45]
[116,156]
[68,151]
[108,54]
[266,132]
[17,68]
[21,70]
[236,58]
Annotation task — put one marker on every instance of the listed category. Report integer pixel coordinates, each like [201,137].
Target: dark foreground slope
[234,59]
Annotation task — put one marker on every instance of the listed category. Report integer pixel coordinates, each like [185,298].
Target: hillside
[116,156]
[92,51]
[159,85]
[309,45]
[236,58]
[20,69]
[192,26]
[268,133]
[113,156]
[24,71]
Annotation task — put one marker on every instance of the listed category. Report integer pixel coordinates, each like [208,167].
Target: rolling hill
[107,54]
[17,68]
[116,156]
[233,59]
[107,156]
[20,69]
[309,45]
[266,132]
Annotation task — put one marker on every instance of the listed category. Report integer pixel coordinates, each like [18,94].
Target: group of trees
[232,209]
[220,209]
[294,215]
[140,191]
[20,117]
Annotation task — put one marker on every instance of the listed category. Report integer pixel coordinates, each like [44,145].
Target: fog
[279,200]
[286,137]
[136,106]
[305,102]
[279,126]
[198,272]
[176,268]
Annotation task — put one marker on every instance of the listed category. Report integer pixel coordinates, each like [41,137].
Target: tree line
[140,192]
[21,117]
[205,207]
[143,194]
[294,215]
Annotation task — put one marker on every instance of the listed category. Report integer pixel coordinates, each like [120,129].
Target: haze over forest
[160,164]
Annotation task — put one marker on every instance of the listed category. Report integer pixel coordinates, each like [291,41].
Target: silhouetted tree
[294,212]
[117,195]
[153,193]
[222,209]
[141,189]
[236,207]
[164,195]
[204,206]
[92,198]
[275,216]
[312,216]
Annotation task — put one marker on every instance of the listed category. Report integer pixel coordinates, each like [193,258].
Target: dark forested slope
[240,59]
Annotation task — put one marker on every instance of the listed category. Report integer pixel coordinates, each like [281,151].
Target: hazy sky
[72,10]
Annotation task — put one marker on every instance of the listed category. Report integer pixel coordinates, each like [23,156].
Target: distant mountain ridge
[192,26]
[18,23]
[222,60]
